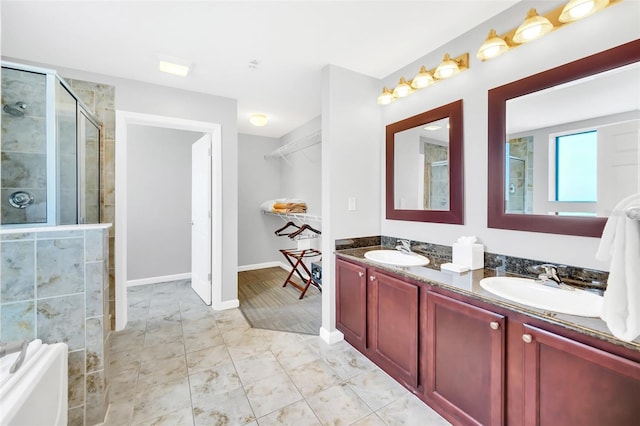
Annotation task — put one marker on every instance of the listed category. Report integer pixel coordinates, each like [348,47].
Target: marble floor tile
[200,325]
[299,414]
[410,411]
[257,367]
[338,405]
[183,417]
[376,388]
[312,377]
[208,358]
[119,413]
[172,347]
[348,362]
[214,381]
[160,400]
[203,340]
[155,372]
[272,393]
[122,387]
[370,420]
[229,408]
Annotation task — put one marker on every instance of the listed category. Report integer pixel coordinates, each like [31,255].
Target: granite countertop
[468,284]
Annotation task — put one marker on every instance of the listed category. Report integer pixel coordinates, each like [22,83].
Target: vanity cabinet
[393,325]
[464,358]
[351,303]
[570,383]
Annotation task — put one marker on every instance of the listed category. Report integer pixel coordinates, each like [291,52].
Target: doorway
[124,121]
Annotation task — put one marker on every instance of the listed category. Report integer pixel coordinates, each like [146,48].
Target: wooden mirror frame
[455,214]
[616,57]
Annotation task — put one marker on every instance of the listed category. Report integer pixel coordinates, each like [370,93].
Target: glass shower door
[89,188]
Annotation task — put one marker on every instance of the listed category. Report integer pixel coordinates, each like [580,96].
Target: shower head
[17,109]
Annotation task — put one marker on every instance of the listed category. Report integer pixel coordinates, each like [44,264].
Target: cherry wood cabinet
[465,360]
[393,325]
[570,383]
[351,303]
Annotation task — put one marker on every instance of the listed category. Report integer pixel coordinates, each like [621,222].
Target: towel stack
[620,244]
[284,205]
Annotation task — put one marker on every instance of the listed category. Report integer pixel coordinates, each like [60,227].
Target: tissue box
[471,255]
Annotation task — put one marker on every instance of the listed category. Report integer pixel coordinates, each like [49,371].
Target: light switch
[352,204]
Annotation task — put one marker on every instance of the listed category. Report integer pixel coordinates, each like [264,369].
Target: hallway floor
[180,363]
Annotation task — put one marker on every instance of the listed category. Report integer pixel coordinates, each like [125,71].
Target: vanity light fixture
[386,97]
[450,67]
[533,27]
[403,89]
[493,46]
[425,78]
[422,79]
[536,26]
[258,120]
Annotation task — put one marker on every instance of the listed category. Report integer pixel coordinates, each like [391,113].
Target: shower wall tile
[76,382]
[17,264]
[95,344]
[18,236]
[18,321]
[94,250]
[61,319]
[67,233]
[23,134]
[35,213]
[94,278]
[75,416]
[60,267]
[21,170]
[95,408]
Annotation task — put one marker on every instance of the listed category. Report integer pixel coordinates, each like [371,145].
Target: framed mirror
[424,166]
[564,144]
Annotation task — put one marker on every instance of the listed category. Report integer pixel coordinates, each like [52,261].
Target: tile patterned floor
[180,363]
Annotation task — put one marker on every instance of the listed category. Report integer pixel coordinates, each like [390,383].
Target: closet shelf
[296,145]
[299,216]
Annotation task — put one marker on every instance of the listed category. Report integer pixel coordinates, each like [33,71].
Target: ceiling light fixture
[536,26]
[258,120]
[172,67]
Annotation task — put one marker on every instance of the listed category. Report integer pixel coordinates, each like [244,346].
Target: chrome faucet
[404,246]
[550,276]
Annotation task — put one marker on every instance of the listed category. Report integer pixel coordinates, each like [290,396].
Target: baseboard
[331,337]
[264,265]
[227,304]
[162,279]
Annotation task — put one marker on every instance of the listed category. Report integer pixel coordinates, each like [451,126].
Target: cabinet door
[569,383]
[465,360]
[393,315]
[351,302]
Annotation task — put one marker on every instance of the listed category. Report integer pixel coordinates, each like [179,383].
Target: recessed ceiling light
[175,69]
[258,120]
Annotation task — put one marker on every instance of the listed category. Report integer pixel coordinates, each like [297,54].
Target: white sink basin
[527,292]
[396,258]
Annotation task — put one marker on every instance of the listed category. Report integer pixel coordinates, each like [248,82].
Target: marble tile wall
[23,147]
[55,287]
[100,98]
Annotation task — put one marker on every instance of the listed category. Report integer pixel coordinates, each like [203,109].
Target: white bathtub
[36,394]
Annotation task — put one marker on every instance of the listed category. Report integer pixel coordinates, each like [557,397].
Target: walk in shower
[50,146]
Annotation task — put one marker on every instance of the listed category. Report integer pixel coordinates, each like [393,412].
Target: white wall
[609,28]
[351,167]
[258,181]
[158,202]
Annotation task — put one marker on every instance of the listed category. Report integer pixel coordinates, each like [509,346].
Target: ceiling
[290,41]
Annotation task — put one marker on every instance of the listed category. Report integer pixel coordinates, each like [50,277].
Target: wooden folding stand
[295,259]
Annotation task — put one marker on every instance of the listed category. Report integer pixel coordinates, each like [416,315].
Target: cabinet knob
[372,278]
[527,338]
[361,274]
[494,325]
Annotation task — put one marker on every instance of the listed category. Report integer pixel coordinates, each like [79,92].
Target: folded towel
[284,205]
[620,244]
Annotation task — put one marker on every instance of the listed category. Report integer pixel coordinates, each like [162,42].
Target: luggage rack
[295,259]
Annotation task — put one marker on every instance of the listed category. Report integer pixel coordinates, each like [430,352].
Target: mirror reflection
[573,149]
[421,172]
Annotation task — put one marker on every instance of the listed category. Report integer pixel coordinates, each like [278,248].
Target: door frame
[123,120]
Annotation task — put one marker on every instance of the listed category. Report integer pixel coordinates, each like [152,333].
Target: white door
[201,218]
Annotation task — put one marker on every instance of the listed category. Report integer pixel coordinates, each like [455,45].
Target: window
[576,167]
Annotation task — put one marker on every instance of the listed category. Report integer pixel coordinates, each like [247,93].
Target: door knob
[527,338]
[494,325]
[372,278]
